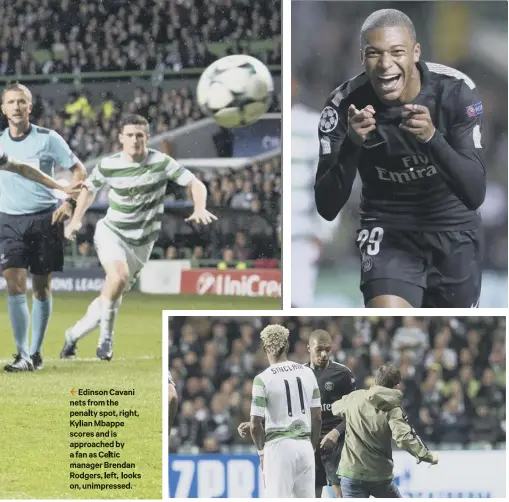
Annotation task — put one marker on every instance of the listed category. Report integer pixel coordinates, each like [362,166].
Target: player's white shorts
[289,469]
[110,247]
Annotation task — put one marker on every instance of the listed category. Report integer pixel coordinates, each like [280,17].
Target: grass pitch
[34,407]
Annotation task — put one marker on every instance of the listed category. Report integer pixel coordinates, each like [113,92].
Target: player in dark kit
[334,381]
[413,130]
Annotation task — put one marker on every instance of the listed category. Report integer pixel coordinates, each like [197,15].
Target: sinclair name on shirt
[417,168]
[285,369]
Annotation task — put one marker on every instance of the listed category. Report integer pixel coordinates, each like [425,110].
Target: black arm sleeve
[337,165]
[459,156]
[347,386]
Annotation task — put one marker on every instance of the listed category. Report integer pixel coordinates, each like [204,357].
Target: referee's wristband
[72,203]
[260,453]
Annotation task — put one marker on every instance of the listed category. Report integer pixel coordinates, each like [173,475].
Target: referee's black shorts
[31,242]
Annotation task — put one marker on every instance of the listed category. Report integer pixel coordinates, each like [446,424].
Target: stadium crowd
[250,203]
[453,371]
[91,129]
[49,37]
[119,35]
[248,229]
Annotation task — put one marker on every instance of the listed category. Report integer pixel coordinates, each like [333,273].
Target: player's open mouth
[389,82]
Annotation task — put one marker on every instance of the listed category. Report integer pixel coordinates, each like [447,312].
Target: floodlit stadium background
[454,384]
[469,36]
[88,65]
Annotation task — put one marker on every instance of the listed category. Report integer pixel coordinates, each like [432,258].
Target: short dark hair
[133,120]
[387,18]
[16,86]
[319,334]
[388,376]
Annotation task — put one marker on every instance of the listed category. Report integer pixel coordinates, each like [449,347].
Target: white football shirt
[136,195]
[284,394]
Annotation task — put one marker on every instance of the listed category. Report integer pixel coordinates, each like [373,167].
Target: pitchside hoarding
[72,281]
[459,474]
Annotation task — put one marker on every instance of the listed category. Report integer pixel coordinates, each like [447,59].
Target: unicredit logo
[245,285]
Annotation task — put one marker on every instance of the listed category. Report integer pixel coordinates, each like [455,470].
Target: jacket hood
[384,399]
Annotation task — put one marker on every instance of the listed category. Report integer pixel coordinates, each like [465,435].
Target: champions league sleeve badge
[328,119]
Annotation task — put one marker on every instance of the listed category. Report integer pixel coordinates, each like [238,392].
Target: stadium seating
[453,372]
[51,38]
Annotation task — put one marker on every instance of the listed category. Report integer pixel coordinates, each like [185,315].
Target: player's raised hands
[201,216]
[416,120]
[360,123]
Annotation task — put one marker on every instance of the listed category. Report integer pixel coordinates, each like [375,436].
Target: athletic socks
[19,317]
[90,321]
[108,316]
[41,313]
[87,323]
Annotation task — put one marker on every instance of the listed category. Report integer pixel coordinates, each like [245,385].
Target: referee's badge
[329,386]
[328,119]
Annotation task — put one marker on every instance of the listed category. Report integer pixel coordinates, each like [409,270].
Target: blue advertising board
[261,137]
[215,476]
[459,474]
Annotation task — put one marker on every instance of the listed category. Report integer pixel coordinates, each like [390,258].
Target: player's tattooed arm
[66,210]
[316,425]
[257,432]
[31,173]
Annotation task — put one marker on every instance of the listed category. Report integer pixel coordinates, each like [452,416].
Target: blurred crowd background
[326,52]
[453,370]
[89,64]
[51,37]
[247,234]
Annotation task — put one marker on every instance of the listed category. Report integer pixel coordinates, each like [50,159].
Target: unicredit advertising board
[250,282]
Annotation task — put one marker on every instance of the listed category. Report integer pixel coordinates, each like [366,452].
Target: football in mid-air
[235,90]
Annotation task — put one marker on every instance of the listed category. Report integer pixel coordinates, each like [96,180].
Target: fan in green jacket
[374,417]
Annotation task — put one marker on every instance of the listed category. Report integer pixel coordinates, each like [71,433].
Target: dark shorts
[31,242]
[427,269]
[327,463]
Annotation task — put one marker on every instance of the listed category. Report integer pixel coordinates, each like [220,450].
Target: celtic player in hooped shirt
[124,238]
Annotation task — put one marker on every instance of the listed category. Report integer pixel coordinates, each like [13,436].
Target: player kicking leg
[124,238]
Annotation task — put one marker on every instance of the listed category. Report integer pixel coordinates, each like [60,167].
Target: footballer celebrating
[413,131]
[138,177]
